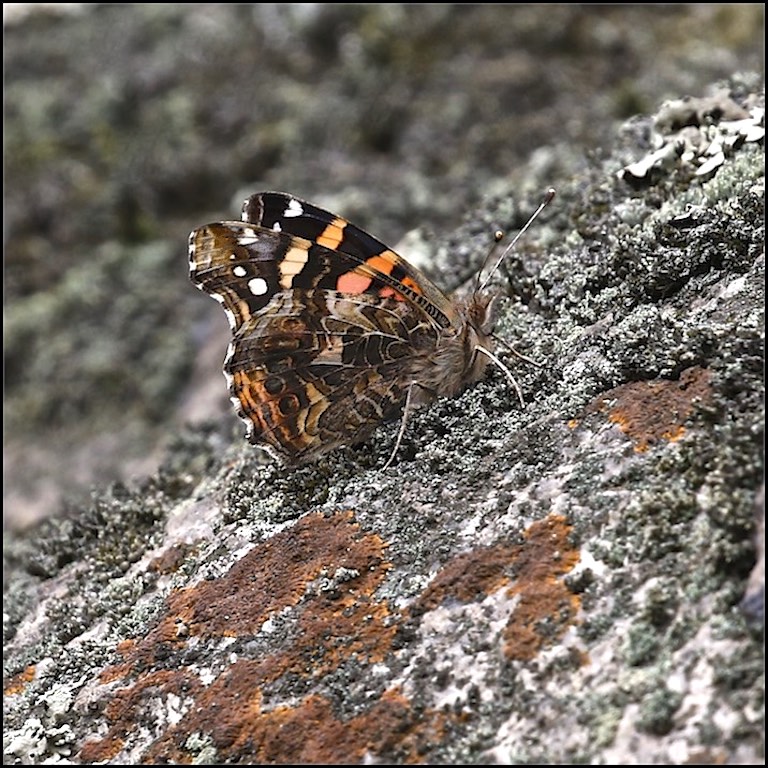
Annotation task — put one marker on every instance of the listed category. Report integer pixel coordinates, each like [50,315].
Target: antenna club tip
[549,196]
[499,234]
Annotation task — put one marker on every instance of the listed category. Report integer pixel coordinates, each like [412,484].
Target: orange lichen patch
[114,672]
[170,560]
[124,647]
[19,681]
[118,671]
[324,567]
[673,435]
[127,707]
[545,607]
[101,750]
[706,756]
[469,576]
[648,411]
[311,733]
[275,574]
[320,577]
[533,571]
[332,629]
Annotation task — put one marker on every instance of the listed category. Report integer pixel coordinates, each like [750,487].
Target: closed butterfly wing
[324,343]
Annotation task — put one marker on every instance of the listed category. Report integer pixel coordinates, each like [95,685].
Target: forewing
[240,266]
[373,260]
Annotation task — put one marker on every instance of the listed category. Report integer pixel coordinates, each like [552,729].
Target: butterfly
[333,332]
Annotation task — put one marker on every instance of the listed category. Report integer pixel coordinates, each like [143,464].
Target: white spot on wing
[276,227]
[294,209]
[239,271]
[249,237]
[227,375]
[191,251]
[258,286]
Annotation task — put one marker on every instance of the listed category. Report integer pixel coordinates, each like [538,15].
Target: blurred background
[125,126]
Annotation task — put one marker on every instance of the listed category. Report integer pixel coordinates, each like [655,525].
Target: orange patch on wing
[382,263]
[242,387]
[351,282]
[413,285]
[388,291]
[333,234]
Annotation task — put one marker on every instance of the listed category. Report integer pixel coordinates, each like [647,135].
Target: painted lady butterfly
[332,332]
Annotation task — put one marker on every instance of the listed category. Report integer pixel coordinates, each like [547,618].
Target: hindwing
[320,369]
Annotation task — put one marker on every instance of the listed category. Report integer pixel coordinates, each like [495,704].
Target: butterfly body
[332,332]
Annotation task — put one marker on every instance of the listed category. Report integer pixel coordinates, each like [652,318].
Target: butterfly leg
[517,354]
[403,421]
[505,370]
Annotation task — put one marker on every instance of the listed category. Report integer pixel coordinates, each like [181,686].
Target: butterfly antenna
[548,197]
[498,235]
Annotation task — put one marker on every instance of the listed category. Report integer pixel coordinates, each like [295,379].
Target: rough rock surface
[579,579]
